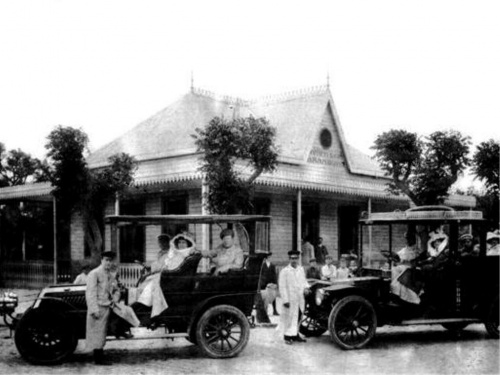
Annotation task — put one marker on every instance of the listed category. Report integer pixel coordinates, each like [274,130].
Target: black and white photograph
[249,187]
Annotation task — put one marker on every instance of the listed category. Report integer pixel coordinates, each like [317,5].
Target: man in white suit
[292,285]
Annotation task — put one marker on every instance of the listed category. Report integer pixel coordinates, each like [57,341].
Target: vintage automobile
[210,311]
[454,289]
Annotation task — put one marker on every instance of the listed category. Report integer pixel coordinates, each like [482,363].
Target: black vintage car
[210,311]
[455,288]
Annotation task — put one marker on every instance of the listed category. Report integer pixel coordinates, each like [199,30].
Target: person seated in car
[435,269]
[404,279]
[155,266]
[492,242]
[328,271]
[466,246]
[313,271]
[226,256]
[181,246]
[343,272]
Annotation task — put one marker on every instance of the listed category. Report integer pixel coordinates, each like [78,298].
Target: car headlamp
[320,295]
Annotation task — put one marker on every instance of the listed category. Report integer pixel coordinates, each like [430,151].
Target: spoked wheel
[45,337]
[352,322]
[222,331]
[313,327]
[455,327]
[492,318]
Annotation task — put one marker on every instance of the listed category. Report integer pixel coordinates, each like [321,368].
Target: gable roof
[169,132]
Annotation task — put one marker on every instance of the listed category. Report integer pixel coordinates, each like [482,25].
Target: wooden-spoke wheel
[352,322]
[491,323]
[313,327]
[45,337]
[222,331]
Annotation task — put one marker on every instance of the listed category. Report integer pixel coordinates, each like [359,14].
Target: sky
[105,66]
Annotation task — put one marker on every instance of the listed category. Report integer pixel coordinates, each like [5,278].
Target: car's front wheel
[492,319]
[313,326]
[45,337]
[352,322]
[222,331]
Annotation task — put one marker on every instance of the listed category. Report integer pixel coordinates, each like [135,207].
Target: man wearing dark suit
[269,276]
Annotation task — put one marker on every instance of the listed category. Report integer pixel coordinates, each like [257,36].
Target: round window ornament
[325,138]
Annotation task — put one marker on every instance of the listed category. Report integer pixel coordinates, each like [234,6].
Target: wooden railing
[130,273]
[32,273]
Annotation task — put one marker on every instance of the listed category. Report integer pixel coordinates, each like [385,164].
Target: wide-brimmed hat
[495,235]
[437,236]
[185,237]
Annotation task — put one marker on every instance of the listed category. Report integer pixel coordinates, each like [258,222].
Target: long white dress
[152,295]
[292,282]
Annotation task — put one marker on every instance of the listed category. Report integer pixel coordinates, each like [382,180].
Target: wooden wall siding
[153,207]
[77,237]
[328,221]
[281,228]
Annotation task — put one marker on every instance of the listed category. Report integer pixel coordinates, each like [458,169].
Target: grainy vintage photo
[249,187]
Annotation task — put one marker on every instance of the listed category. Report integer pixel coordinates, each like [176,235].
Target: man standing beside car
[99,294]
[292,286]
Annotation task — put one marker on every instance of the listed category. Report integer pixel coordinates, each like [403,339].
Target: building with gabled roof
[322,184]
[320,187]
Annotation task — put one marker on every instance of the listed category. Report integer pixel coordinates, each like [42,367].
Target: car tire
[492,319]
[312,327]
[45,337]
[352,322]
[222,331]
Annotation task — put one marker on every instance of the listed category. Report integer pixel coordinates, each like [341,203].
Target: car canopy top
[121,220]
[423,214]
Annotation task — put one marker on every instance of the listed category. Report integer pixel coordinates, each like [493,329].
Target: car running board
[438,321]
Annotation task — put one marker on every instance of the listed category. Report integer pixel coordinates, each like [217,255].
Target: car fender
[52,303]
[337,292]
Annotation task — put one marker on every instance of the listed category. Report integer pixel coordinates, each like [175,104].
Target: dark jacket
[268,275]
[313,273]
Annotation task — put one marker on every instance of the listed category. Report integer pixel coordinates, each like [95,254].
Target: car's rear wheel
[352,322]
[312,327]
[491,323]
[45,337]
[455,327]
[222,331]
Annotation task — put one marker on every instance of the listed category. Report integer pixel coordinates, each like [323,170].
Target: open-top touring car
[209,310]
[454,289]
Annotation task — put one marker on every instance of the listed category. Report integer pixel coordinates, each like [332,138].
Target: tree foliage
[423,169]
[78,188]
[225,146]
[69,172]
[17,167]
[486,164]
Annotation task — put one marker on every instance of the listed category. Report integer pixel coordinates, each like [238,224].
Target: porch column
[299,223]
[54,217]
[116,235]
[369,232]
[204,227]
[23,243]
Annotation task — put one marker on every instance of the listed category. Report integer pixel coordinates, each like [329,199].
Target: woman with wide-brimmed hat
[493,241]
[181,246]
